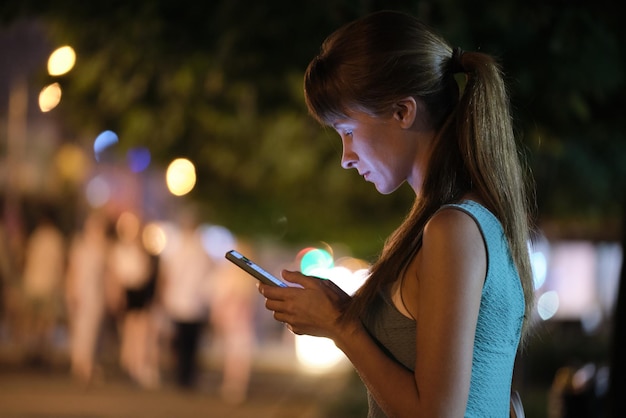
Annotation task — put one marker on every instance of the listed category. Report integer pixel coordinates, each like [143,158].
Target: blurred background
[141,140]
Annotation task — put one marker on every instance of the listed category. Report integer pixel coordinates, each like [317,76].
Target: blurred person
[11,293]
[186,269]
[42,278]
[435,329]
[8,282]
[85,293]
[12,243]
[233,299]
[578,392]
[561,384]
[135,271]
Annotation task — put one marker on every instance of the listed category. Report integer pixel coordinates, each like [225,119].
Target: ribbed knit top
[498,329]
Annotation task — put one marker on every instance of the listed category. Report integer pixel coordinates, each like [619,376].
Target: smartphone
[253,269]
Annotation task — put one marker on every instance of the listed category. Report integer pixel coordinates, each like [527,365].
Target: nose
[348,157]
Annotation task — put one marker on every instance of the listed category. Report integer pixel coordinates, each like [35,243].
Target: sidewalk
[29,394]
[275,392]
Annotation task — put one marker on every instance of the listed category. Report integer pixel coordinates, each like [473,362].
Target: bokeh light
[138,159]
[315,259]
[61,61]
[97,192]
[181,176]
[71,163]
[539,265]
[317,354]
[103,141]
[548,305]
[50,97]
[154,238]
[216,240]
[539,252]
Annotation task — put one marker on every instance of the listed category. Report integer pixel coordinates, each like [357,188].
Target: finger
[281,317]
[292,276]
[274,305]
[298,278]
[273,292]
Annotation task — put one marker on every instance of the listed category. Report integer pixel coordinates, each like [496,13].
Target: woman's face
[383,150]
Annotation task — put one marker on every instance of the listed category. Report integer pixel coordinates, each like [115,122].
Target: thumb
[295,277]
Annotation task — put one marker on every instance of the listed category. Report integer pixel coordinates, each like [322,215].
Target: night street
[275,392]
[28,393]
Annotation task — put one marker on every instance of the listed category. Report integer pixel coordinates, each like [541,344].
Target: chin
[387,187]
[386,190]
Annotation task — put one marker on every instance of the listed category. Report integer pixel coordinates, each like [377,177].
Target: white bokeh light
[548,305]
[97,192]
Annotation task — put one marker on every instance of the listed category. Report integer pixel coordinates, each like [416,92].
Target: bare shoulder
[454,245]
[452,224]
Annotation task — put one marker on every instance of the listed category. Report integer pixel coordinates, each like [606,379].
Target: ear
[405,112]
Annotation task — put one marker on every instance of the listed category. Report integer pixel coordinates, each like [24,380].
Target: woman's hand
[314,309]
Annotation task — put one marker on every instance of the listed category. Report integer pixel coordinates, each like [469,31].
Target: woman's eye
[348,133]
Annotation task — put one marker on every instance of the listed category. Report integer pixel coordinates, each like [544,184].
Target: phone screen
[253,269]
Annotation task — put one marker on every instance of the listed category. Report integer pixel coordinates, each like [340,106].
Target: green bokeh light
[315,259]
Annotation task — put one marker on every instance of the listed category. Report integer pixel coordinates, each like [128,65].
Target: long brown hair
[370,64]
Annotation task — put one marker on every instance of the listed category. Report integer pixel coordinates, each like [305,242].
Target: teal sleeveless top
[497,333]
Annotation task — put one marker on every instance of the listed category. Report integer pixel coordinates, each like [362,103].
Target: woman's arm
[450,273]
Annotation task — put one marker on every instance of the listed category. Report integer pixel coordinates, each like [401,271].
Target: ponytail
[487,143]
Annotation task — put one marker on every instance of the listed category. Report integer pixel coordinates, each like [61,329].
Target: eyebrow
[340,123]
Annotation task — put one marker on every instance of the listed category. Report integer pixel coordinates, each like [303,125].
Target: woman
[435,329]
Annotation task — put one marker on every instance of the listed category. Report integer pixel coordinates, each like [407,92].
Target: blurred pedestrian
[12,248]
[186,269]
[10,286]
[135,270]
[85,293]
[44,270]
[233,298]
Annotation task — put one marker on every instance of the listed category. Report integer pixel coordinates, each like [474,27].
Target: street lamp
[60,62]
